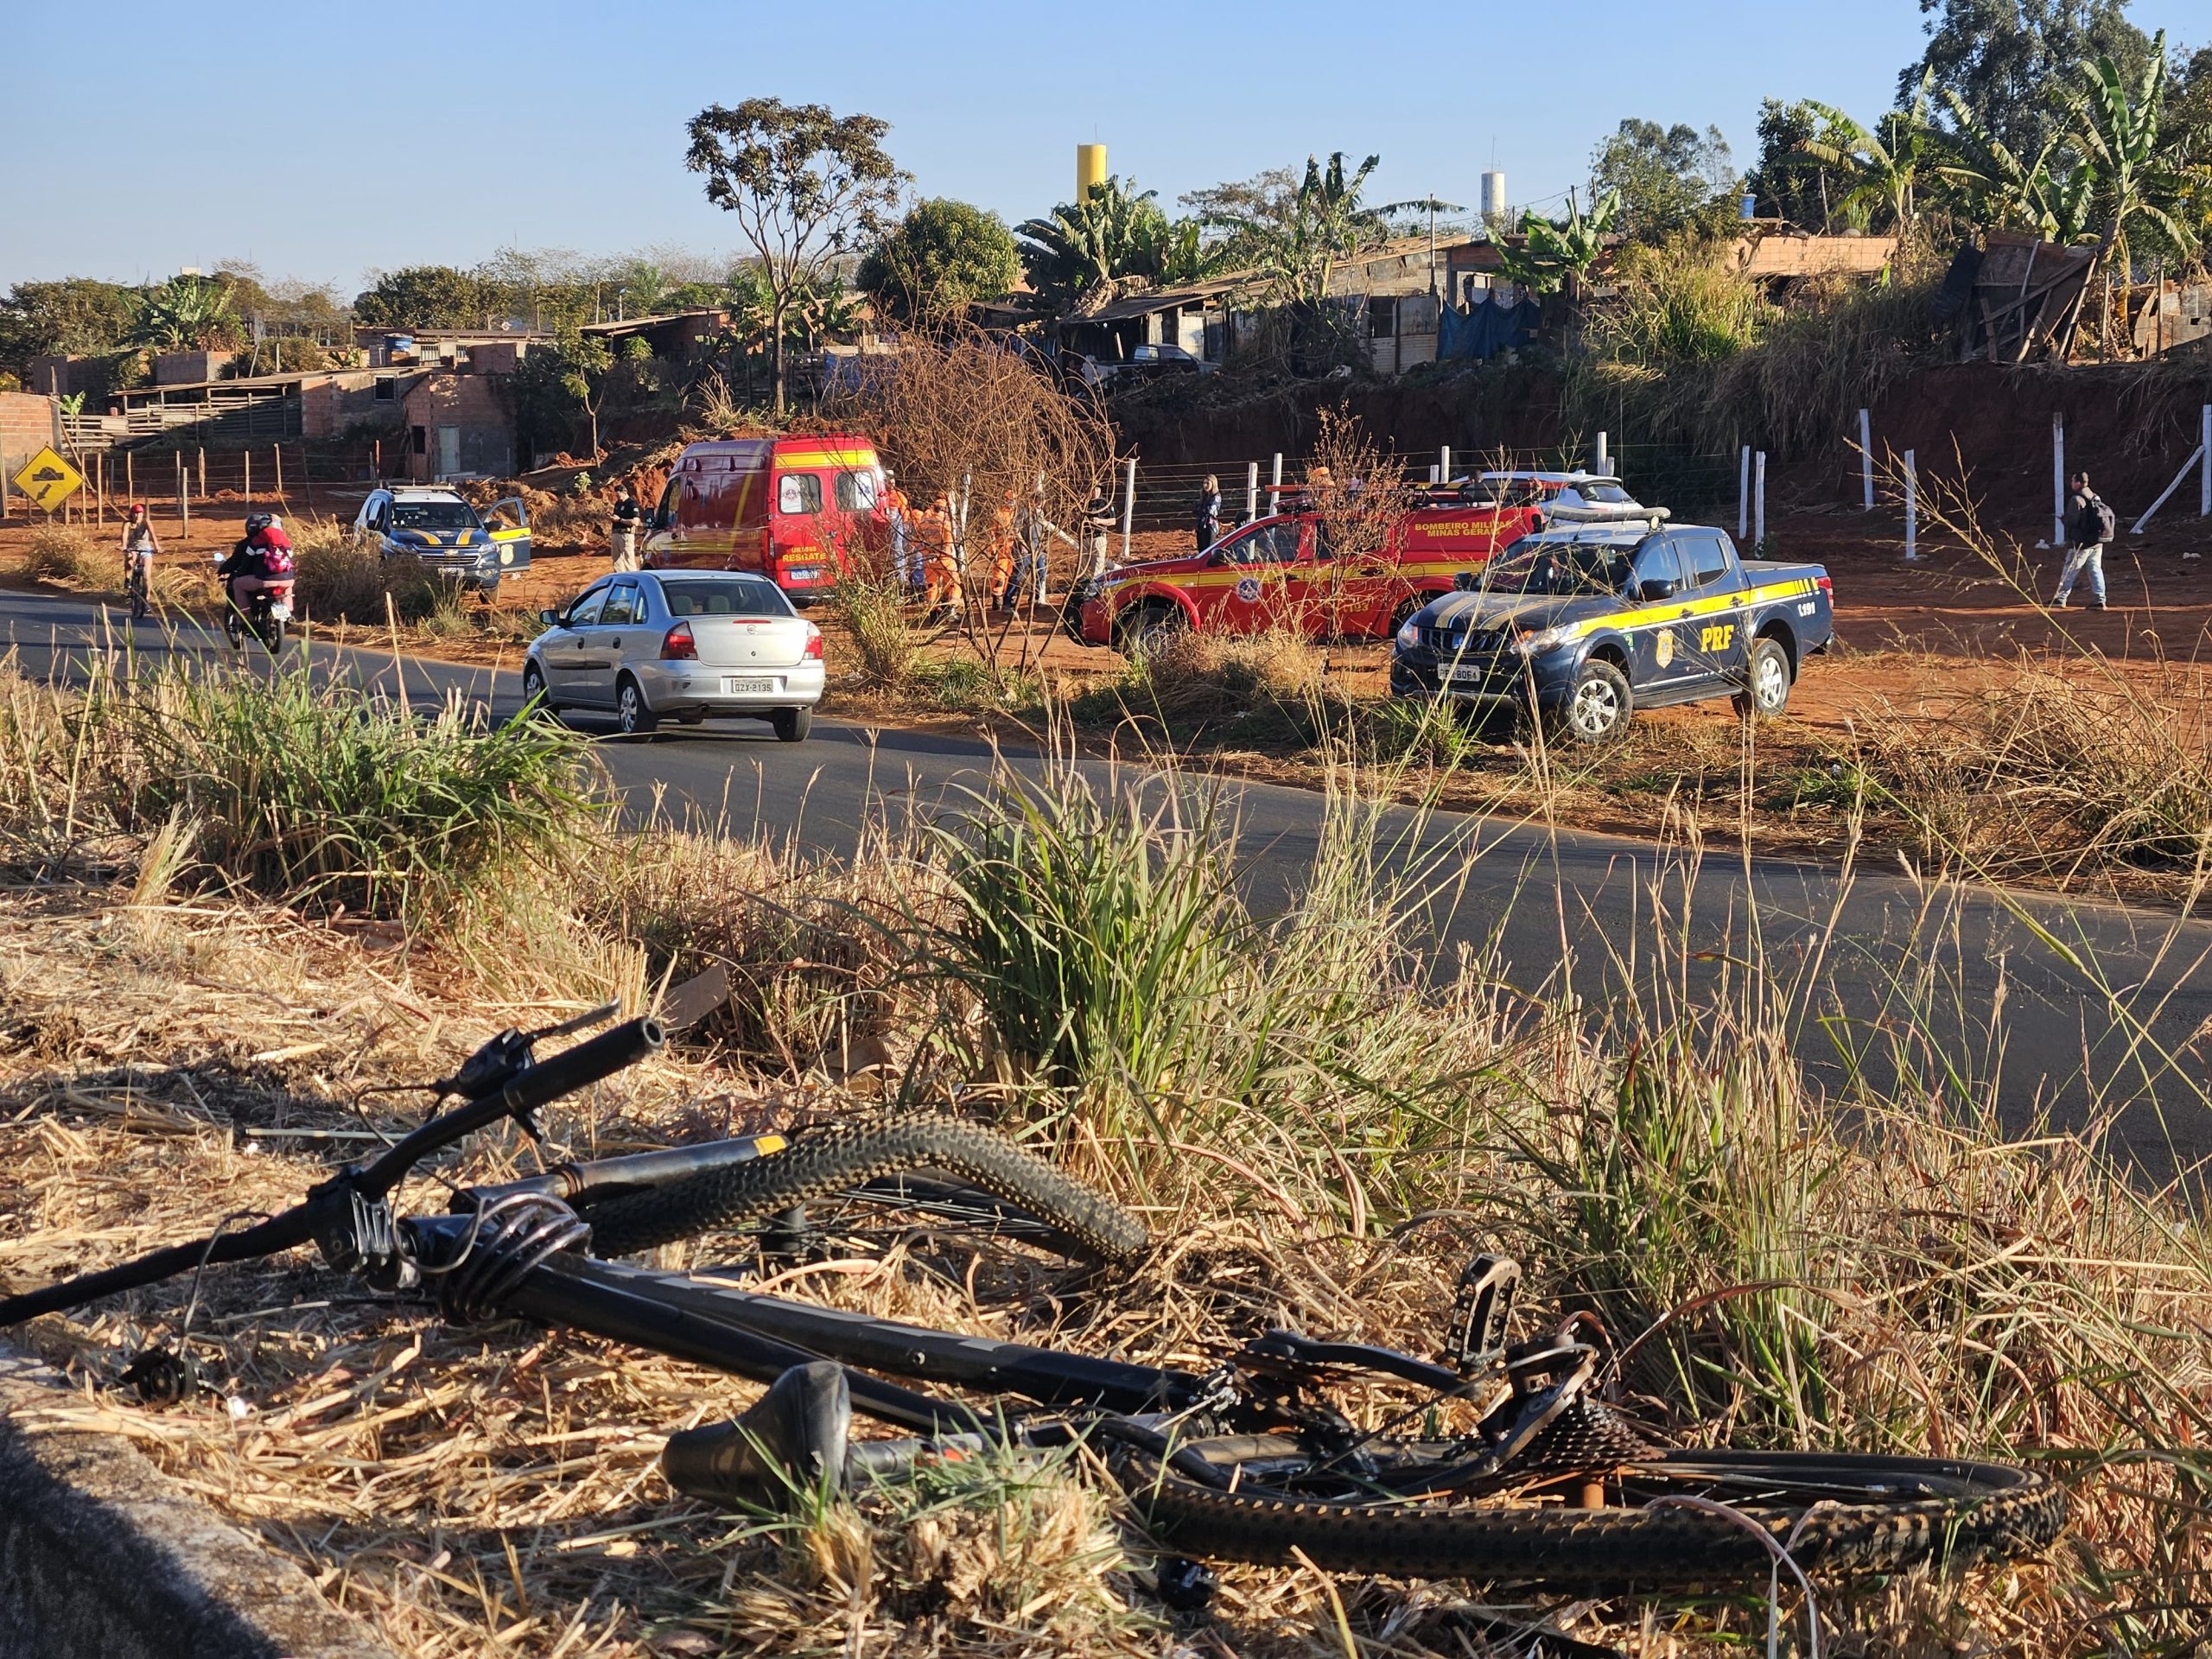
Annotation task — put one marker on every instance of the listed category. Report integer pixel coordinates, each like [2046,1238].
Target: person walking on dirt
[2089,524]
[1209,514]
[1000,547]
[624,534]
[933,549]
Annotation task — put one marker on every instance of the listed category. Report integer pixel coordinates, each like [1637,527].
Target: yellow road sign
[49,481]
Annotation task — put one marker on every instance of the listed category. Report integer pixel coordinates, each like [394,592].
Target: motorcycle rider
[248,569]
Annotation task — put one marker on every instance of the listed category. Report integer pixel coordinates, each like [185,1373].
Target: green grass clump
[326,795]
[340,579]
[874,611]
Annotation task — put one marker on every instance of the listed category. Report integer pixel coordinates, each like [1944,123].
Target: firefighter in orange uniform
[1000,546]
[933,549]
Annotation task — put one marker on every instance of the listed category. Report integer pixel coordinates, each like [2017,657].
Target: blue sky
[323,141]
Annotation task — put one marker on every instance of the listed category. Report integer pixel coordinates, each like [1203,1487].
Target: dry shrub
[2061,773]
[342,580]
[59,553]
[1203,679]
[963,418]
[874,608]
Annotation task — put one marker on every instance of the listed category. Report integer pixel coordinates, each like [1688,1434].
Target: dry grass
[59,553]
[1321,1124]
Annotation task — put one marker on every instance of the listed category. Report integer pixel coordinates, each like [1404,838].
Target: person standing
[624,534]
[1209,513]
[1097,527]
[2090,523]
[894,517]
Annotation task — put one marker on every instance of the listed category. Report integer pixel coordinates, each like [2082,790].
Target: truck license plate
[748,688]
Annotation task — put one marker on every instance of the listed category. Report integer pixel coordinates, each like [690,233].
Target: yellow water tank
[1089,170]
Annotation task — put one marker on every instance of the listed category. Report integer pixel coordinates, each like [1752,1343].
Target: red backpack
[275,549]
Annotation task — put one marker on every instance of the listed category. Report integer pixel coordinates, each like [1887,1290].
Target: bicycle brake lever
[490,1068]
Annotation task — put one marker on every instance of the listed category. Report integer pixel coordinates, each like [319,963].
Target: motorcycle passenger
[265,550]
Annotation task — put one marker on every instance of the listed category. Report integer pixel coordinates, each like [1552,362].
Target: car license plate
[1466,673]
[803,573]
[748,688]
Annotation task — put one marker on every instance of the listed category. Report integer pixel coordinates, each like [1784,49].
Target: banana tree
[1882,164]
[1115,231]
[2142,174]
[1555,252]
[184,314]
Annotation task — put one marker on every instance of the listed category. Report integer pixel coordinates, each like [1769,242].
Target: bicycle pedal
[1482,1313]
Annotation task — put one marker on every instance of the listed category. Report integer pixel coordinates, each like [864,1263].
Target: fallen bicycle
[1536,1480]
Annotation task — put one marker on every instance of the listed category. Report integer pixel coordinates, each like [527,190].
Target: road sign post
[47,480]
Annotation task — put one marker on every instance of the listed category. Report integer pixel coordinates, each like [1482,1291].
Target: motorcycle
[264,613]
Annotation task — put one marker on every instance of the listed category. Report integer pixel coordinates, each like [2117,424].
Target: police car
[439,529]
[1591,623]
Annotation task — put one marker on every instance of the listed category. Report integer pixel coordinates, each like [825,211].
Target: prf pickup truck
[1588,625]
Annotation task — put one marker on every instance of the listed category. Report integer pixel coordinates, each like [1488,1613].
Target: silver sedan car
[679,645]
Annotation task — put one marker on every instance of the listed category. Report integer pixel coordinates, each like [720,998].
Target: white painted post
[1251,491]
[1744,494]
[1274,481]
[1758,500]
[2058,480]
[1911,508]
[1432,478]
[1128,507]
[1866,462]
[2204,487]
[1604,469]
[1444,466]
[1040,549]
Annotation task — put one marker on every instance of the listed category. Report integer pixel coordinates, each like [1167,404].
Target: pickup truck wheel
[1597,710]
[1149,629]
[1766,687]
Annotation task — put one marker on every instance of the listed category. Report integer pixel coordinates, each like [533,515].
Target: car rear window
[727,596]
[799,492]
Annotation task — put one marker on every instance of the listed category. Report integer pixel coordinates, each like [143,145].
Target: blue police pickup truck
[1589,624]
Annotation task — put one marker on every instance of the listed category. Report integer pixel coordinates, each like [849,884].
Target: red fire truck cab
[796,509]
[1277,572]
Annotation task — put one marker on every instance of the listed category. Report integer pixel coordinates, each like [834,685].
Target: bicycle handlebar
[533,1087]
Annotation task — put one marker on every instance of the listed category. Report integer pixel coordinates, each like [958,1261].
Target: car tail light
[1827,585]
[813,642]
[679,646]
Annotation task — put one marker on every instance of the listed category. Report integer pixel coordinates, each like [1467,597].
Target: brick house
[458,423]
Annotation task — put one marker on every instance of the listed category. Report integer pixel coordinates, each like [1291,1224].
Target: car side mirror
[1655,587]
[550,618]
[1465,581]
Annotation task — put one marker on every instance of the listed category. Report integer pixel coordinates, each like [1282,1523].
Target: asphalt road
[2079,1010]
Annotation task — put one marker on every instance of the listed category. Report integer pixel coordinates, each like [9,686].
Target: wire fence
[1167,493]
[310,477]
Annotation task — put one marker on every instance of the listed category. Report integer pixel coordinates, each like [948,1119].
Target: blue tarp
[1484,329]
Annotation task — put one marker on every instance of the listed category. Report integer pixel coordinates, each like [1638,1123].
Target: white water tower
[1493,196]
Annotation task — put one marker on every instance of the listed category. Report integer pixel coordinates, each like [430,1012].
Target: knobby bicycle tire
[1991,1512]
[818,1165]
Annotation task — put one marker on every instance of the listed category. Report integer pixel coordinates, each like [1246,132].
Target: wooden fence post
[1759,502]
[276,452]
[1128,507]
[1911,508]
[2058,480]
[2204,487]
[1866,463]
[183,502]
[203,471]
[245,457]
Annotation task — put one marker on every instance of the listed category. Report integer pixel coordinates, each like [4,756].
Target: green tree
[1295,250]
[76,314]
[1789,183]
[574,378]
[185,314]
[2009,61]
[806,185]
[425,297]
[1878,168]
[1665,176]
[941,258]
[1559,249]
[1115,231]
[2141,169]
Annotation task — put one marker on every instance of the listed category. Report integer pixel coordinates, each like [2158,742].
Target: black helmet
[257,522]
